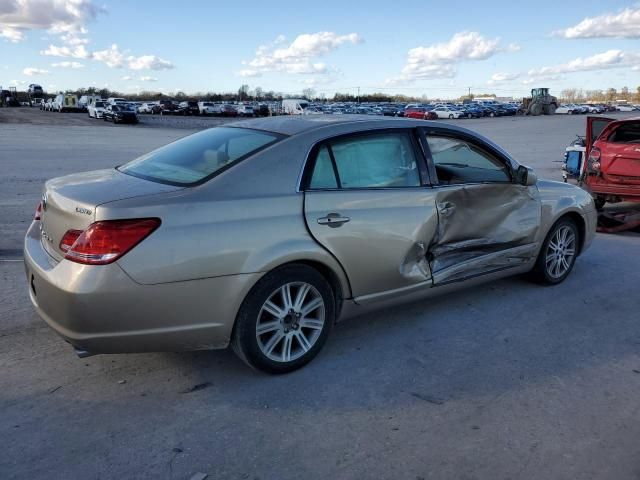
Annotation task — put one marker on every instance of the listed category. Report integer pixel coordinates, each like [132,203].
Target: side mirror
[526,176]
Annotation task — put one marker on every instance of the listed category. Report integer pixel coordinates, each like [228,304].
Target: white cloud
[31,71]
[298,57]
[146,78]
[625,24]
[112,56]
[59,17]
[599,61]
[439,60]
[12,34]
[127,77]
[78,51]
[74,65]
[149,62]
[502,77]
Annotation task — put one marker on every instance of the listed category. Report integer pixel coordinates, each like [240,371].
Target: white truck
[294,106]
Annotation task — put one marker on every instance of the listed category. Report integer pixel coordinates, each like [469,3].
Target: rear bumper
[613,189]
[100,309]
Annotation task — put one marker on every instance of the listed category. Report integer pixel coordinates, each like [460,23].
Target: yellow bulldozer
[540,103]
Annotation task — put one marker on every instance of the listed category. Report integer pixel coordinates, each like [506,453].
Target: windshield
[197,157]
[99,105]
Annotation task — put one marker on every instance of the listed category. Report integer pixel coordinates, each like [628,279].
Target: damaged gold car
[262,233]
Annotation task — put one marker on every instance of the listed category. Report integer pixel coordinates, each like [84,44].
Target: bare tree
[309,93]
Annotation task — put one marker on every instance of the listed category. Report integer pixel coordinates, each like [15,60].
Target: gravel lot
[507,381]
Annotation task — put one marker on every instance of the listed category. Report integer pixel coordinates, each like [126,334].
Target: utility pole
[469,93]
[358,94]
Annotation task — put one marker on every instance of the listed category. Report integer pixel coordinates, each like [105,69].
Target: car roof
[295,124]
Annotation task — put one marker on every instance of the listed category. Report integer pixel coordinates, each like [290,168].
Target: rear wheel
[558,253]
[451,115]
[285,320]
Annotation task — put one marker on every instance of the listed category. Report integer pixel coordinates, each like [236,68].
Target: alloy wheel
[561,251]
[290,322]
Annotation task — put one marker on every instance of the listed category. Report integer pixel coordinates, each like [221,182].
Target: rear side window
[197,157]
[323,174]
[381,160]
[626,133]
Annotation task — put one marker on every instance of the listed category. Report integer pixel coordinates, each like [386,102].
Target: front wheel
[558,253]
[285,320]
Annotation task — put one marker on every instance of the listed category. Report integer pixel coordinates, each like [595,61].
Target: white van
[294,106]
[65,102]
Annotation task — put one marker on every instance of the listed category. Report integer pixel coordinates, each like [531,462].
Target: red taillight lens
[38,213]
[104,242]
[69,239]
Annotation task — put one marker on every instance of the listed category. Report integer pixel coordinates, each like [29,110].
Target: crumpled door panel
[483,228]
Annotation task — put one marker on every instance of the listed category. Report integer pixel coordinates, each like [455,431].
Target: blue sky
[438,49]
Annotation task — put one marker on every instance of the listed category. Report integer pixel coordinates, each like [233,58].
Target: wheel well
[330,276]
[579,221]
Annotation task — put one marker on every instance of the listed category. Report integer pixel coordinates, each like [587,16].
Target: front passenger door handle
[445,209]
[333,220]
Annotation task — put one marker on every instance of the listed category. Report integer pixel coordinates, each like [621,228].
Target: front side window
[382,160]
[194,158]
[458,161]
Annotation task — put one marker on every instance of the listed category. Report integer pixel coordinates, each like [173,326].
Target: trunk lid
[69,203]
[619,145]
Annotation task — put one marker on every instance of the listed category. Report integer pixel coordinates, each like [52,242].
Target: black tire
[244,341]
[450,115]
[540,272]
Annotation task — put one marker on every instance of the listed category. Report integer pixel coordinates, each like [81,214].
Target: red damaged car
[613,160]
[420,113]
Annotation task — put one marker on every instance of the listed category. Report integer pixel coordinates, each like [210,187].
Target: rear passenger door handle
[333,220]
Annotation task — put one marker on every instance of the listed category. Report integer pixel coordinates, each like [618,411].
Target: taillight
[69,239]
[106,241]
[38,213]
[594,159]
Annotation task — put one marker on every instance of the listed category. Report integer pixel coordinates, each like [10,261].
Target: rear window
[196,158]
[626,133]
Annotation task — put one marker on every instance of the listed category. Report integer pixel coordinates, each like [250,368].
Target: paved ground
[508,381]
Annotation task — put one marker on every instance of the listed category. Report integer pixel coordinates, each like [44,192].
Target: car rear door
[487,221]
[619,146]
[367,202]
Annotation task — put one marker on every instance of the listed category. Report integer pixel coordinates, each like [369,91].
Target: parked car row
[171,107]
[574,109]
[426,111]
